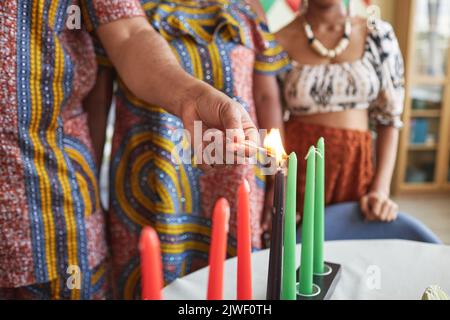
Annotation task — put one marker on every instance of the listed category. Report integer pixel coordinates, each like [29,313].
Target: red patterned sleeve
[99,12]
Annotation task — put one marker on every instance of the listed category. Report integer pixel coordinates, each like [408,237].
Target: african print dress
[51,221]
[222,43]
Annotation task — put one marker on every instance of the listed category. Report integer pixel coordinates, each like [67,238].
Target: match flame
[274,146]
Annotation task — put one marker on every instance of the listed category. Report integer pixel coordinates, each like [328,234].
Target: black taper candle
[276,242]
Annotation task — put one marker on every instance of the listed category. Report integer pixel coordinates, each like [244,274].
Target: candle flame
[274,146]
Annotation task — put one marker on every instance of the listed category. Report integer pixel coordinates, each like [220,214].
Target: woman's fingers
[393,212]
[389,211]
[364,203]
[365,208]
[375,205]
[385,210]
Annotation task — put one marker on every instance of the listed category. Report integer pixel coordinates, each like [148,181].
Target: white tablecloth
[371,269]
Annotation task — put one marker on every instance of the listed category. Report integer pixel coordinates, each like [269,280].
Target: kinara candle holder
[315,279]
[324,284]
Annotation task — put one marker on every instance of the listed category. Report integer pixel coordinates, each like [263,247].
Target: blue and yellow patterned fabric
[50,216]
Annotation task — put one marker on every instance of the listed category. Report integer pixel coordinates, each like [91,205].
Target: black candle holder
[324,284]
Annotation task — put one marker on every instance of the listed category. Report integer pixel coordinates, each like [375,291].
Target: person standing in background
[344,73]
[227,46]
[52,241]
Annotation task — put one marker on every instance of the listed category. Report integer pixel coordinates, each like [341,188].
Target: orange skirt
[348,160]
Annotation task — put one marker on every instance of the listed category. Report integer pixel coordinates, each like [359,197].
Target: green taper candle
[306,263]
[319,208]
[288,291]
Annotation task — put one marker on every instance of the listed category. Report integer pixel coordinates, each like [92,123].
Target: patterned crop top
[374,82]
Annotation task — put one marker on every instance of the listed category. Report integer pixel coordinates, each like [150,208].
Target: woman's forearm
[267,102]
[386,154]
[147,65]
[149,69]
[265,90]
[269,114]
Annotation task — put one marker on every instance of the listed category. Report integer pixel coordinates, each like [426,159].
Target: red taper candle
[218,249]
[294,4]
[244,246]
[151,265]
